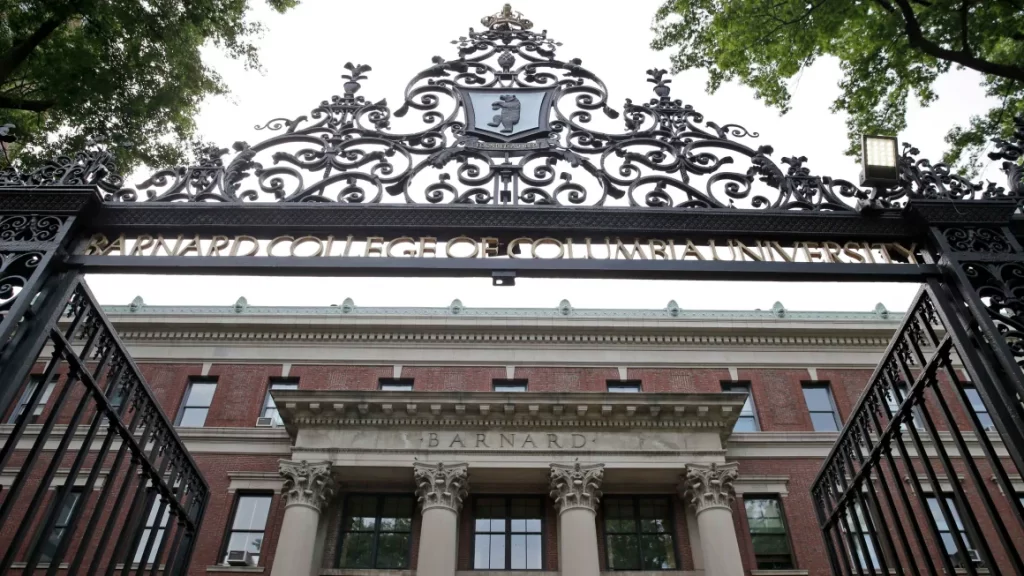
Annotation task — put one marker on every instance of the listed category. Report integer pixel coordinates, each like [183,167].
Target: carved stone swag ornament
[441,486]
[307,484]
[710,486]
[576,485]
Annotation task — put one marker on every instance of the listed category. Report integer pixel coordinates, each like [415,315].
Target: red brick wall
[778,400]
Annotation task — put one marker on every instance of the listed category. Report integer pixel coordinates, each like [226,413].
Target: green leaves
[888,50]
[127,71]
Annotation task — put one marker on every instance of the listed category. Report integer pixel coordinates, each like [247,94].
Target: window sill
[41,565]
[235,569]
[779,573]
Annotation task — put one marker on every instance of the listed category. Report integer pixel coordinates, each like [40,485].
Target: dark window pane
[623,552]
[393,551]
[657,552]
[824,422]
[357,550]
[770,544]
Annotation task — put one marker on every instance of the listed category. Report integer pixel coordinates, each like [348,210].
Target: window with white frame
[248,524]
[824,415]
[26,397]
[978,406]
[197,402]
[950,532]
[747,421]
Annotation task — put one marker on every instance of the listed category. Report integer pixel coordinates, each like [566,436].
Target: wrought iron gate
[882,507]
[103,483]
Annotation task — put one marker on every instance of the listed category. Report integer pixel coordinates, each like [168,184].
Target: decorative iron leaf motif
[662,155]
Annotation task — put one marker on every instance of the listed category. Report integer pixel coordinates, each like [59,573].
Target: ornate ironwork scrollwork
[1001,288]
[664,154]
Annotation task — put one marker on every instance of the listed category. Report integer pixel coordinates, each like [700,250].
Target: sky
[303,53]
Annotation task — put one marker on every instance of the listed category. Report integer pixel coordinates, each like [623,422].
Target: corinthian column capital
[307,484]
[441,485]
[576,485]
[710,485]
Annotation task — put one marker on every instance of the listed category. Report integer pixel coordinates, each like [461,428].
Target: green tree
[126,71]
[887,50]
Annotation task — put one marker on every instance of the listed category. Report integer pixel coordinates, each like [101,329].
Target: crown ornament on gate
[509,123]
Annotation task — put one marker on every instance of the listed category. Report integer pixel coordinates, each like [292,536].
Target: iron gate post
[37,227]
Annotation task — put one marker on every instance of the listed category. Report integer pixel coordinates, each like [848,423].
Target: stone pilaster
[441,489]
[576,489]
[576,486]
[307,487]
[709,488]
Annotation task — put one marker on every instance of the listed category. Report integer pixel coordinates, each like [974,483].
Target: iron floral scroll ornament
[441,485]
[576,485]
[710,486]
[307,484]
[509,123]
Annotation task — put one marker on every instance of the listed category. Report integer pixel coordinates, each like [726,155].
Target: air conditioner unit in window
[973,556]
[240,558]
[264,421]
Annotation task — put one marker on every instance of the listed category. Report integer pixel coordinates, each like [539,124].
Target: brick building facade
[372,441]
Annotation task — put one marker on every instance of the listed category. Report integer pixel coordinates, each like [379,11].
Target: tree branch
[28,105]
[964,6]
[917,40]
[22,50]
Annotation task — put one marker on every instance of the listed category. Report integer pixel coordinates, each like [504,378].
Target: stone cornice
[301,408]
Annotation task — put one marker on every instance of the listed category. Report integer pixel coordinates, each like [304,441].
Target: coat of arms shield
[506,114]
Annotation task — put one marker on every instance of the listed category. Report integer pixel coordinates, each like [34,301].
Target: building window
[978,407]
[26,397]
[624,386]
[396,384]
[376,532]
[269,408]
[510,384]
[507,533]
[248,524]
[197,403]
[768,533]
[863,539]
[820,404]
[151,524]
[639,534]
[748,416]
[894,405]
[948,532]
[61,525]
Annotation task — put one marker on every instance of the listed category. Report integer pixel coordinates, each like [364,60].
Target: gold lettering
[714,252]
[275,242]
[885,252]
[143,243]
[657,248]
[513,247]
[348,245]
[402,240]
[568,248]
[782,252]
[691,250]
[833,250]
[852,250]
[115,246]
[744,251]
[298,242]
[488,247]
[812,251]
[546,241]
[330,245]
[428,246]
[371,249]
[167,249]
[96,245]
[460,240]
[238,242]
[217,244]
[193,245]
[623,252]
[590,255]
[905,252]
[867,252]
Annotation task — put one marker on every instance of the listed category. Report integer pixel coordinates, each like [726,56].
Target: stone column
[710,489]
[440,489]
[307,488]
[576,489]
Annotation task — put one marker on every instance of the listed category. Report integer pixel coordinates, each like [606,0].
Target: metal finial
[506,20]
